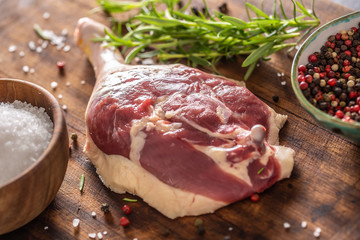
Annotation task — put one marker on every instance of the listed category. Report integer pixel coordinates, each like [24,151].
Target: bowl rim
[320,115]
[58,120]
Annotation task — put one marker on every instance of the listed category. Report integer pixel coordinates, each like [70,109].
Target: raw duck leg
[185,141]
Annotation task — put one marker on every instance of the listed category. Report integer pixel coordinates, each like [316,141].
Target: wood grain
[324,189]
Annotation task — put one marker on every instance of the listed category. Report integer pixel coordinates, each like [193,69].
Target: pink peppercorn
[332,82]
[255,197]
[346,62]
[126,209]
[339,114]
[301,78]
[302,68]
[338,36]
[308,78]
[348,43]
[312,58]
[303,85]
[124,221]
[352,95]
[348,53]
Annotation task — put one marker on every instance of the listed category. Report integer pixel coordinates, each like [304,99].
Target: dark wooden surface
[324,188]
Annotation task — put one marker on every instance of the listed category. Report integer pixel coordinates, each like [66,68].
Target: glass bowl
[313,44]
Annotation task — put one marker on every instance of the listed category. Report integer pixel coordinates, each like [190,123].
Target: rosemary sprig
[203,39]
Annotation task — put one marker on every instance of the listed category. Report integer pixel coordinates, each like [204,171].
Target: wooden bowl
[24,197]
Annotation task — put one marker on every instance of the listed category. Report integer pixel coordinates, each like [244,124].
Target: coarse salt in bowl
[313,44]
[24,196]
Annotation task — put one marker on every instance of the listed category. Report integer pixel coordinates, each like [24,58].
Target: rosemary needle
[203,38]
[82,181]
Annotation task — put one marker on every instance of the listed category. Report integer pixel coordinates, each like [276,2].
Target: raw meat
[185,141]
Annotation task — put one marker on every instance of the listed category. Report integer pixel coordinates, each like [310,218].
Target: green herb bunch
[203,38]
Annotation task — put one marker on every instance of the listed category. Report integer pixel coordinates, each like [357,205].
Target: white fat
[223,114]
[169,114]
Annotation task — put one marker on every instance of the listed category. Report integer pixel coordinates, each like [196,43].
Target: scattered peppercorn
[105,207]
[60,65]
[255,197]
[74,137]
[200,226]
[227,237]
[331,78]
[275,98]
[126,209]
[124,221]
[223,8]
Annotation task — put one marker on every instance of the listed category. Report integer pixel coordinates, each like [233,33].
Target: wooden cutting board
[324,189]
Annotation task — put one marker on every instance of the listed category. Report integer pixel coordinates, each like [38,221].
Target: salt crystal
[287,225]
[66,48]
[99,235]
[54,85]
[40,41]
[64,32]
[32,45]
[60,96]
[316,234]
[46,228]
[68,84]
[25,69]
[317,229]
[135,239]
[32,70]
[45,44]
[21,54]
[282,74]
[82,82]
[93,214]
[12,48]
[278,74]
[25,130]
[283,83]
[258,65]
[60,46]
[64,107]
[46,15]
[39,49]
[76,222]
[303,224]
[92,235]
[230,229]
[104,232]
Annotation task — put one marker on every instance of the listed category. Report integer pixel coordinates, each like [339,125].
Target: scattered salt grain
[12,48]
[32,45]
[68,84]
[99,235]
[67,48]
[286,225]
[303,224]
[40,41]
[22,54]
[76,222]
[32,70]
[135,239]
[93,214]
[60,96]
[45,44]
[317,229]
[64,107]
[26,131]
[53,85]
[278,74]
[64,32]
[283,83]
[104,232]
[39,49]
[46,15]
[316,234]
[282,74]
[25,69]
[92,235]
[46,228]
[82,82]
[258,65]
[230,229]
